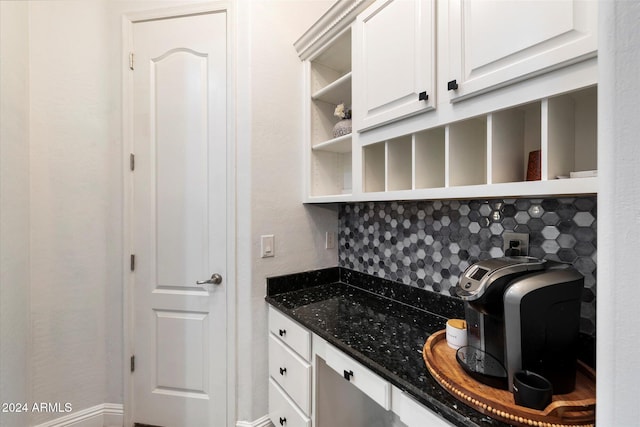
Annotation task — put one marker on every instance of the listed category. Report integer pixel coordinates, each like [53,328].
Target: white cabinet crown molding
[337,18]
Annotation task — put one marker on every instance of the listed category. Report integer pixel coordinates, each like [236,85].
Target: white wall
[270,198]
[75,237]
[14,209]
[618,361]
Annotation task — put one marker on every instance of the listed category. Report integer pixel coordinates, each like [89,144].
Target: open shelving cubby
[331,173]
[329,67]
[429,158]
[572,130]
[387,165]
[467,152]
[330,84]
[513,134]
[374,167]
[399,170]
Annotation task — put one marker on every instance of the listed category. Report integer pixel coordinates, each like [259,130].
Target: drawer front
[282,411]
[371,384]
[296,337]
[291,372]
[413,414]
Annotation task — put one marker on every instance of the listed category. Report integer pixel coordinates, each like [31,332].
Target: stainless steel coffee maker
[522,313]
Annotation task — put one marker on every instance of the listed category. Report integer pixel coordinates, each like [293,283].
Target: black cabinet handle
[422,96]
[348,375]
[283,421]
[283,371]
[282,332]
[452,85]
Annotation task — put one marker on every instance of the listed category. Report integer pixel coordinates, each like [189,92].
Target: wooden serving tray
[574,409]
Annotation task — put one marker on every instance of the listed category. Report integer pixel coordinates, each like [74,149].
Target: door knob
[216,279]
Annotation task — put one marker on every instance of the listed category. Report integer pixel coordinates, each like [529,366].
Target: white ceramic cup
[456,333]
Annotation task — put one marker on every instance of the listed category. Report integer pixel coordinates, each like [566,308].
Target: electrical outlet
[330,240]
[522,238]
[267,246]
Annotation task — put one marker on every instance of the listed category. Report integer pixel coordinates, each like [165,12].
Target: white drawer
[296,337]
[291,372]
[369,383]
[413,414]
[282,411]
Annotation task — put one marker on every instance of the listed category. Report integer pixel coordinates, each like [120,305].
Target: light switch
[330,240]
[267,248]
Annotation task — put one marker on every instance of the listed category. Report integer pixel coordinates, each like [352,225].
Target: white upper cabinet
[525,78]
[494,43]
[393,62]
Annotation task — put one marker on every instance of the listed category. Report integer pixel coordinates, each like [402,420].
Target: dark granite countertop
[380,324]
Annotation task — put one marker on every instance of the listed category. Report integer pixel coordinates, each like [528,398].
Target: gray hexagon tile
[428,244]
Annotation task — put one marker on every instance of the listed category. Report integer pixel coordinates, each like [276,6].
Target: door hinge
[131,60]
[133,363]
[132,161]
[132,265]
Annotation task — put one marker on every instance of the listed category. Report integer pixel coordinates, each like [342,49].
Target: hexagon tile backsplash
[428,244]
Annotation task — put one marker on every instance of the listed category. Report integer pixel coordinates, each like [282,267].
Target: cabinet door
[494,43]
[393,61]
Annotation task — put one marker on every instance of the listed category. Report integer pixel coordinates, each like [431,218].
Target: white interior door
[179,220]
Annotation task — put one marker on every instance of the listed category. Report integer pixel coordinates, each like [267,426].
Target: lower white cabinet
[289,371]
[293,382]
[282,410]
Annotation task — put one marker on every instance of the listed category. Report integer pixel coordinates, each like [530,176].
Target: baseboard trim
[104,415]
[260,422]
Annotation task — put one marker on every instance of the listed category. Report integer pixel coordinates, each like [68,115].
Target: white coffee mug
[456,333]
